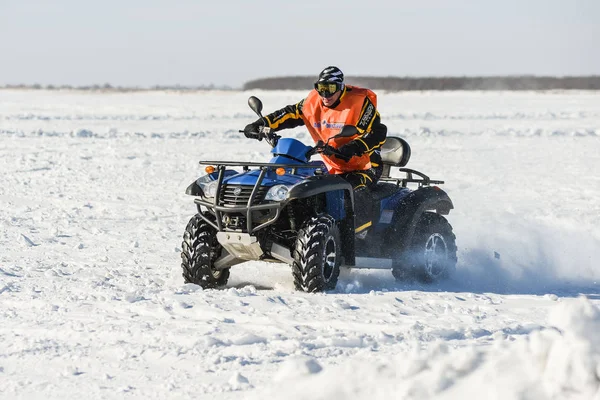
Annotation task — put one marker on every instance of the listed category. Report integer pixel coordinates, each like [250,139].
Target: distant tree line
[107,87]
[389,83]
[438,83]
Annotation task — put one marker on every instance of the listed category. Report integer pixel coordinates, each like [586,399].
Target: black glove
[332,151]
[326,149]
[351,149]
[251,131]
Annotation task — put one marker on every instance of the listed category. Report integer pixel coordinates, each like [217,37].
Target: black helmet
[330,81]
[331,75]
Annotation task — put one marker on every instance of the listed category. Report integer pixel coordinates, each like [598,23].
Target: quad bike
[291,210]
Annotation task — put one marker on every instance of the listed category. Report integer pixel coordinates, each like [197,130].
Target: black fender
[320,184]
[194,189]
[316,185]
[410,209]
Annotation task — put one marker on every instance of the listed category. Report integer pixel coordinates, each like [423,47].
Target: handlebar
[324,148]
[265,133]
[320,147]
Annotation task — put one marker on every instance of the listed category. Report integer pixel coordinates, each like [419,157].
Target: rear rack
[424,181]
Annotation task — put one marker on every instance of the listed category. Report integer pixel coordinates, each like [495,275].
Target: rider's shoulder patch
[367,114]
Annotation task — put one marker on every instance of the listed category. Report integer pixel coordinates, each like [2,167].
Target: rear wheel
[200,249]
[317,255]
[432,253]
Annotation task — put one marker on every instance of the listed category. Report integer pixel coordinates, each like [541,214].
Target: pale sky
[149,42]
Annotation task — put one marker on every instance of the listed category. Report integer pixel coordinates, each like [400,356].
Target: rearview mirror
[256,105]
[347,131]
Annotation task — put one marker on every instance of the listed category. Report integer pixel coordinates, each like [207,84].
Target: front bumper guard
[246,210]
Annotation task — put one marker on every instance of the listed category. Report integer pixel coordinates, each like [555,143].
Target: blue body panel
[292,148]
[336,204]
[287,151]
[391,203]
[228,172]
[388,206]
[271,178]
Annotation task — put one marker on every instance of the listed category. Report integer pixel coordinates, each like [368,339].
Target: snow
[92,302]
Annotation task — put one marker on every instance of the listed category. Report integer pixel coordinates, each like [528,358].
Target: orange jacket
[358,107]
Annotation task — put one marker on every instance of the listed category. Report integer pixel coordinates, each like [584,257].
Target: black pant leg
[361,182]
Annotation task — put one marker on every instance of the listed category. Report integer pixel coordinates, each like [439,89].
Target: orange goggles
[327,89]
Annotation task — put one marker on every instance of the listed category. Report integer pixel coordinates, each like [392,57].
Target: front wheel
[317,255]
[432,253]
[200,249]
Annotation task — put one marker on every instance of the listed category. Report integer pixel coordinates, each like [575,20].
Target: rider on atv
[325,110]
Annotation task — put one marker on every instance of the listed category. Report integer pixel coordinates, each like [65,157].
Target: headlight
[277,193]
[208,188]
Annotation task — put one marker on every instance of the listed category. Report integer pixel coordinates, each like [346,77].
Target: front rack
[247,165]
[249,207]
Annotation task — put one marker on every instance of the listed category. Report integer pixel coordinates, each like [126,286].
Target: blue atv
[291,210]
